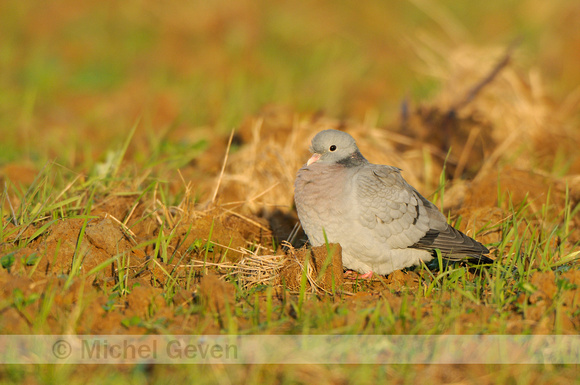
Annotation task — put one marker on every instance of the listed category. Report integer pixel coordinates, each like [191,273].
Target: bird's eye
[333,148]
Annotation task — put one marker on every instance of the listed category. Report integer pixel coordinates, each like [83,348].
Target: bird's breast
[321,196]
[322,190]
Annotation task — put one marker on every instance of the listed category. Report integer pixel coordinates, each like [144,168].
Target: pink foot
[368,275]
[349,274]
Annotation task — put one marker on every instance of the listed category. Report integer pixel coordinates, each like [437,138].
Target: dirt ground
[190,231]
[222,256]
[186,269]
[213,249]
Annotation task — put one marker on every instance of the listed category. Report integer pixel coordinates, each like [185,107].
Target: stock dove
[381,222]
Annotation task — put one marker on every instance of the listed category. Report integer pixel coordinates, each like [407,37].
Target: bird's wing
[401,217]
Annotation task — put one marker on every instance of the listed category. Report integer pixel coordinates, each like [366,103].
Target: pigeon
[381,222]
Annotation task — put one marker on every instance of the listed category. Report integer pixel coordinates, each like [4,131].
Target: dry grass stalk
[255,270]
[219,180]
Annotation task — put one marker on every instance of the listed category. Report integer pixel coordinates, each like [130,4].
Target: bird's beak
[313,159]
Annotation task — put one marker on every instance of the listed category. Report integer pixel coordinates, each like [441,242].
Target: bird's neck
[354,160]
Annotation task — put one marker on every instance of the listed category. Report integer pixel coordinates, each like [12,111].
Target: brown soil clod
[216,295]
[321,265]
[399,279]
[106,235]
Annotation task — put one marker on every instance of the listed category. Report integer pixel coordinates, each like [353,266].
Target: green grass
[106,102]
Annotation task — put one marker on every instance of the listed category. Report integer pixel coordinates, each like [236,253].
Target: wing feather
[402,217]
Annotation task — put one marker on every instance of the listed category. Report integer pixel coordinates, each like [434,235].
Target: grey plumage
[382,223]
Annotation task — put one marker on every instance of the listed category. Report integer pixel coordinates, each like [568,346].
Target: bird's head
[333,146]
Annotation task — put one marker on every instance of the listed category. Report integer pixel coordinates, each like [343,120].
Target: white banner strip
[286,349]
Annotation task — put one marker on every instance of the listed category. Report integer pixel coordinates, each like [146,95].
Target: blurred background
[76,76]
